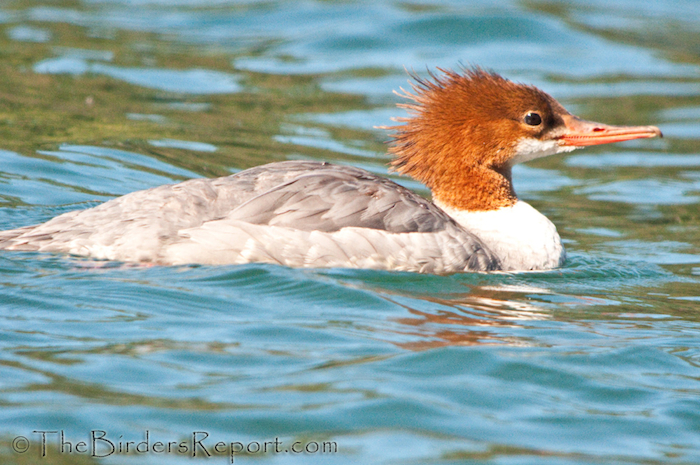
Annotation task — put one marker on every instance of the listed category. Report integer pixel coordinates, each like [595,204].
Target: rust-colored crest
[461,134]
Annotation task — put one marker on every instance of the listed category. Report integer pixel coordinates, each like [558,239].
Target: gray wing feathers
[331,200]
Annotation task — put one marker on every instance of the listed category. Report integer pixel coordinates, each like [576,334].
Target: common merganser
[465,132]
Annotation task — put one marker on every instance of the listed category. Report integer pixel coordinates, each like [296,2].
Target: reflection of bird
[476,317]
[465,133]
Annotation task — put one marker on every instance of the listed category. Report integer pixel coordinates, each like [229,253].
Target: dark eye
[533,119]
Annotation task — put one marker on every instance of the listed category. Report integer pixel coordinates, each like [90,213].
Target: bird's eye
[533,119]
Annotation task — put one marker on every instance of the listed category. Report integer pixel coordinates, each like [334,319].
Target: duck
[463,133]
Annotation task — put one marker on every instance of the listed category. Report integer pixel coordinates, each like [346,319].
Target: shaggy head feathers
[462,134]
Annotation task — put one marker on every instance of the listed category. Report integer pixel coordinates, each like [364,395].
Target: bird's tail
[9,238]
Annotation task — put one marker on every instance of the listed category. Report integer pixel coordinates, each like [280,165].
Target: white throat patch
[522,238]
[530,149]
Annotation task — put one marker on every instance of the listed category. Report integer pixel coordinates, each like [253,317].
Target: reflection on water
[472,318]
[486,315]
[592,363]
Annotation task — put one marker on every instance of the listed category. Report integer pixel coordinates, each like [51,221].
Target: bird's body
[467,132]
[295,213]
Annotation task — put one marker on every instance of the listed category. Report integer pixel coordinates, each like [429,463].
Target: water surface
[596,362]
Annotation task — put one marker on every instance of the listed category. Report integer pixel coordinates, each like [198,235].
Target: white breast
[521,237]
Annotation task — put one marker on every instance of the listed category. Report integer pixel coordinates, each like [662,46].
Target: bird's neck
[475,188]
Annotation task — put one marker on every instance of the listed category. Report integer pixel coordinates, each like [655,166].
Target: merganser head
[467,131]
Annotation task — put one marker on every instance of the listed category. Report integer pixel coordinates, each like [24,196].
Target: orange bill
[581,133]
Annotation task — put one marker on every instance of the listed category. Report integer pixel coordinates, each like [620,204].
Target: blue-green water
[593,363]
